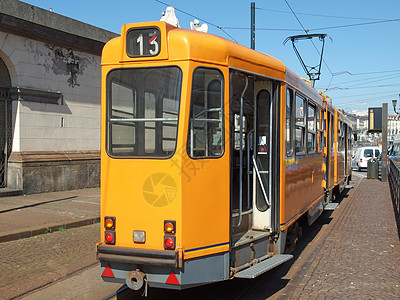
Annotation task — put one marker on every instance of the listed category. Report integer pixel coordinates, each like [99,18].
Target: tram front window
[142,111]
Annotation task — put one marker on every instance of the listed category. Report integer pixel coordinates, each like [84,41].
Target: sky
[361,64]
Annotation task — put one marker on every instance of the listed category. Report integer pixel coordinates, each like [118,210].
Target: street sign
[375,120]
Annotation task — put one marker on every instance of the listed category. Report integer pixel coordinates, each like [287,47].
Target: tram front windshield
[142,111]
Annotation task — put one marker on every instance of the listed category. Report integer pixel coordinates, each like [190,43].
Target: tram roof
[184,44]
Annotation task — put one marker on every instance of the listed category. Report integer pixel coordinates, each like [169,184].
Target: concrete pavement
[32,263]
[31,215]
[359,254]
[356,256]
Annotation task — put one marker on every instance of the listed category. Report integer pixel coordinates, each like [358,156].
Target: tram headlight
[139,236]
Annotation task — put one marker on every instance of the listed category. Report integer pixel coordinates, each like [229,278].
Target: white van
[395,150]
[363,155]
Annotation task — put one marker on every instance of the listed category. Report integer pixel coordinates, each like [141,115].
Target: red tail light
[109,237]
[169,242]
[169,237]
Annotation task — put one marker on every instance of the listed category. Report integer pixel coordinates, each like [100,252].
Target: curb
[44,229]
[7,192]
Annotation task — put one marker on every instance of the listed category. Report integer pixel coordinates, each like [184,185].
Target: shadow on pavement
[36,204]
[266,286]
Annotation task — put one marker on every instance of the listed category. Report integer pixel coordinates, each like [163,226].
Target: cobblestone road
[360,257]
[31,263]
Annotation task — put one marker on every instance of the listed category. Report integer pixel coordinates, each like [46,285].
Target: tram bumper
[139,256]
[138,267]
[161,269]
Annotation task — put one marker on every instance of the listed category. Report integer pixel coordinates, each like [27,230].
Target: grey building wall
[54,67]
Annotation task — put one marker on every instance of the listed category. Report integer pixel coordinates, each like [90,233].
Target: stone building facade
[50,73]
[393,126]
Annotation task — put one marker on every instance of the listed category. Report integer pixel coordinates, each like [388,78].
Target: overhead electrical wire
[369,94]
[375,72]
[383,98]
[367,87]
[346,104]
[306,31]
[201,19]
[313,29]
[317,15]
[353,25]
[373,21]
[373,81]
[261,29]
[298,20]
[379,78]
[376,21]
[362,97]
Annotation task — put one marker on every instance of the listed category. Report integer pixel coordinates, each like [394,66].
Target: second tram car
[211,153]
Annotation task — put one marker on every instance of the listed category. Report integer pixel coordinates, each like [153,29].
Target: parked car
[395,149]
[363,155]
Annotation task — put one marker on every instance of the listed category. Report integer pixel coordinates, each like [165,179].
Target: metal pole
[384,141]
[253,25]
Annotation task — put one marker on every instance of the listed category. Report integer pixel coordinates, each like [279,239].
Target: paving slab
[35,262]
[359,256]
[30,215]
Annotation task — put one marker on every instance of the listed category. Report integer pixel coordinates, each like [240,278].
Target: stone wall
[55,68]
[40,172]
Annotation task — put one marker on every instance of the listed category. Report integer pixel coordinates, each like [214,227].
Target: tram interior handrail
[215,109]
[206,120]
[261,183]
[144,120]
[241,155]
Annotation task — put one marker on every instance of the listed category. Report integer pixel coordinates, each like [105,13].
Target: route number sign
[143,42]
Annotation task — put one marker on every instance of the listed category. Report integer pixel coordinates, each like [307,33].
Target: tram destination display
[142,42]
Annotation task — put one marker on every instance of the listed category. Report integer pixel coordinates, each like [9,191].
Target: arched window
[5,79]
[5,120]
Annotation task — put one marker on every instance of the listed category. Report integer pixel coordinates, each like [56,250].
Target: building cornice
[25,20]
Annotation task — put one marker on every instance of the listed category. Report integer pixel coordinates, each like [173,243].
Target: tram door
[332,162]
[346,148]
[250,115]
[328,145]
[262,156]
[330,158]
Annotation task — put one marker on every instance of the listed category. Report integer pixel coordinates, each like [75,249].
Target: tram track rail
[114,295]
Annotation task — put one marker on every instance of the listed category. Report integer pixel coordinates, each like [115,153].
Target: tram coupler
[135,280]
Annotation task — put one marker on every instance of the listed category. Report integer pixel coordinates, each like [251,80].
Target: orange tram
[212,154]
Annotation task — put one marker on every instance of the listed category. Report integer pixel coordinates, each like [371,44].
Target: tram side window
[320,133]
[289,122]
[344,130]
[349,138]
[341,137]
[332,135]
[205,137]
[123,108]
[311,129]
[300,124]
